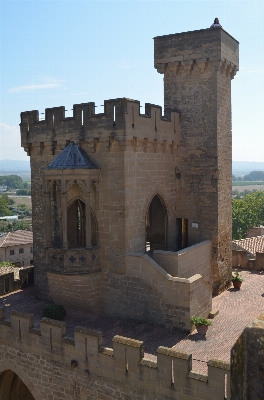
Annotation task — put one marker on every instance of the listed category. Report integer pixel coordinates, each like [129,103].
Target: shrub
[199,321]
[54,311]
[6,264]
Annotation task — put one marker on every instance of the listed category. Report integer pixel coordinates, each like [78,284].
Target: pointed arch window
[76,225]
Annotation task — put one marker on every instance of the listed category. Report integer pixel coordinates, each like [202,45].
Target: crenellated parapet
[169,374]
[197,51]
[120,122]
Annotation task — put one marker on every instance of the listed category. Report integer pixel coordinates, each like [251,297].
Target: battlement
[121,119]
[172,370]
[197,49]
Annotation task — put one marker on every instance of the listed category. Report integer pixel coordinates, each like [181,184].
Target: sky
[60,53]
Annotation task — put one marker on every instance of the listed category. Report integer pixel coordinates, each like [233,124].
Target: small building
[248,253]
[14,278]
[17,247]
[9,218]
[254,231]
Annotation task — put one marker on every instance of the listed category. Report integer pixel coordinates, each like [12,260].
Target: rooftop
[72,157]
[251,245]
[16,238]
[236,310]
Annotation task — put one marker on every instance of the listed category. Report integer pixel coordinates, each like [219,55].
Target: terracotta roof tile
[16,238]
[251,245]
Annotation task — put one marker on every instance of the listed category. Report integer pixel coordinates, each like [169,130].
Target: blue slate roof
[72,157]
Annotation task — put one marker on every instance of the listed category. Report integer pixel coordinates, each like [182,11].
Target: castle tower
[198,67]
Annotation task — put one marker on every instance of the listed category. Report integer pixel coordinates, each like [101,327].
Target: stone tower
[198,67]
[132,211]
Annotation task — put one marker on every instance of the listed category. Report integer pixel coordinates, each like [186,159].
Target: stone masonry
[111,190]
[198,67]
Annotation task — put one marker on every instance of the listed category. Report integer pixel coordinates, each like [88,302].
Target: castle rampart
[121,122]
[55,366]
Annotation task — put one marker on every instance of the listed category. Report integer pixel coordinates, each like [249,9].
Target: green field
[247,183]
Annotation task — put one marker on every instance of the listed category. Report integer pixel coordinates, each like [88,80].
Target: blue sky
[56,53]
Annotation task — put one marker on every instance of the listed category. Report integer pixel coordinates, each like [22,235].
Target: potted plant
[201,324]
[237,280]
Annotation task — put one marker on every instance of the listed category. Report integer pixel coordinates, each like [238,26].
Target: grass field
[248,187]
[247,183]
[22,200]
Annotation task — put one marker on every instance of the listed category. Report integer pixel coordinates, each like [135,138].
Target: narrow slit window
[82,117]
[126,360]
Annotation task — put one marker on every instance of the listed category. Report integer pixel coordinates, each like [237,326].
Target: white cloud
[45,83]
[10,143]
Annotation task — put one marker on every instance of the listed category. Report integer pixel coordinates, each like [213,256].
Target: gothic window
[76,219]
[76,225]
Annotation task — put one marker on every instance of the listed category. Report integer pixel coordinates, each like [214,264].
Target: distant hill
[238,167]
[245,167]
[14,166]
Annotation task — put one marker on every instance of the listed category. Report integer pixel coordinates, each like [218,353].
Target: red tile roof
[16,238]
[251,245]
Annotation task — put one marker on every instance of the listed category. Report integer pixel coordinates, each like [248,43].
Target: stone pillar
[247,363]
[198,67]
[48,215]
[64,213]
[88,214]
[96,188]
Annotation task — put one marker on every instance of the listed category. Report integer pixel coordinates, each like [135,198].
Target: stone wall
[136,155]
[255,231]
[198,67]
[185,263]
[242,259]
[53,366]
[247,363]
[81,291]
[158,297]
[17,258]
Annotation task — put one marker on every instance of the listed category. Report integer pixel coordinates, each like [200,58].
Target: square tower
[198,67]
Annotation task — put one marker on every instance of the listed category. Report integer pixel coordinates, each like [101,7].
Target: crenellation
[85,124]
[131,217]
[171,373]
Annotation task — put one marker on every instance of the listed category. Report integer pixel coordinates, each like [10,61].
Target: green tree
[246,212]
[4,210]
[254,176]
[8,199]
[11,181]
[23,192]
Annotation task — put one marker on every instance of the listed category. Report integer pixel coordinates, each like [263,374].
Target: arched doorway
[156,225]
[13,388]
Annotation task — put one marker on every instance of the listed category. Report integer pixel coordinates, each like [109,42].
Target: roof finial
[216,24]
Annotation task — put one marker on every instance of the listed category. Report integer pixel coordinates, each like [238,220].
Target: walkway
[236,310]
